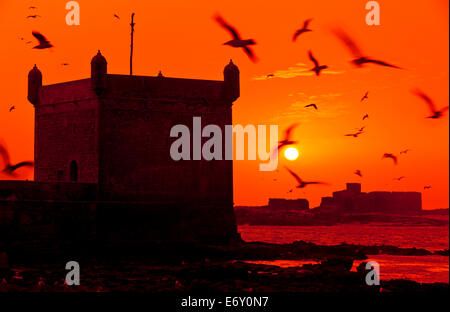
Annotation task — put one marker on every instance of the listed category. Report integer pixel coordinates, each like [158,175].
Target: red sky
[181,39]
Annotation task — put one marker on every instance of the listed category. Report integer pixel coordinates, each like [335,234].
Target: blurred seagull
[8,167]
[436,114]
[392,156]
[360,60]
[270,76]
[33,16]
[355,135]
[287,137]
[43,42]
[237,41]
[12,108]
[358,173]
[427,187]
[405,152]
[317,68]
[301,183]
[312,105]
[400,178]
[366,116]
[302,30]
[366,96]
[286,141]
[117,16]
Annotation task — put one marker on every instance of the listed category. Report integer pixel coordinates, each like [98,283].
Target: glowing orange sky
[181,39]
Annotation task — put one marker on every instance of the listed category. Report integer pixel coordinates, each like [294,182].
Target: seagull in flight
[406,151]
[43,42]
[359,173]
[237,41]
[366,116]
[287,139]
[117,16]
[312,105]
[33,16]
[400,178]
[301,183]
[270,76]
[302,30]
[8,168]
[317,68]
[12,108]
[391,156]
[356,134]
[427,187]
[366,96]
[436,114]
[359,59]
[287,136]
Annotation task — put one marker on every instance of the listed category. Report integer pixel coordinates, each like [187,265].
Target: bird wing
[289,130]
[378,62]
[299,180]
[228,27]
[4,155]
[250,54]
[21,164]
[426,98]
[315,182]
[393,157]
[41,38]
[296,34]
[349,42]
[311,57]
[306,23]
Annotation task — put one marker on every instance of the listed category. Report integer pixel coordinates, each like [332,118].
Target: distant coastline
[264,215]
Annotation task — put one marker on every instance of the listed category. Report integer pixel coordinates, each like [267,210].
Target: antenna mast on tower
[132,43]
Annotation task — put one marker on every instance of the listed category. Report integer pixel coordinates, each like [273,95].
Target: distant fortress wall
[288,204]
[353,200]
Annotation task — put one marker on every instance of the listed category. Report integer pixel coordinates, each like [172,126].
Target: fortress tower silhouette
[113,132]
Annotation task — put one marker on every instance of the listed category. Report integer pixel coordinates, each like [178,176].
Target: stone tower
[114,131]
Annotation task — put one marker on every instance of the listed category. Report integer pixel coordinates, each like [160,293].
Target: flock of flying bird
[359,60]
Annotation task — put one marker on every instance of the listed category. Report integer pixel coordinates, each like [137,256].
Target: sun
[291,153]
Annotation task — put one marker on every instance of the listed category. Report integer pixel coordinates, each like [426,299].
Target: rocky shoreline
[162,268]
